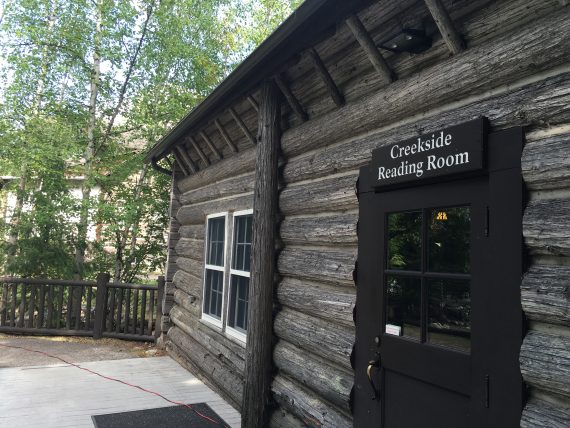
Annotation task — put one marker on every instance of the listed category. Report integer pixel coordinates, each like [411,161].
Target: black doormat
[163,417]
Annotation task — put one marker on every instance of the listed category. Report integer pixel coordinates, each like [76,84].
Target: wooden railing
[81,308]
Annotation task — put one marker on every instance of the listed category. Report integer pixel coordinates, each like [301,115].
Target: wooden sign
[453,150]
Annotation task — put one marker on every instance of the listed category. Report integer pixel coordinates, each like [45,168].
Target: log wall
[515,71]
[206,350]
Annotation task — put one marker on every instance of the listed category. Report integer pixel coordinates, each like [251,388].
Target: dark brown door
[438,315]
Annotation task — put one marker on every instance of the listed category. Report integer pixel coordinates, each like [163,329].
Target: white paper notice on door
[394,330]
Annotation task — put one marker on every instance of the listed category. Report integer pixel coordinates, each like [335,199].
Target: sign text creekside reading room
[449,151]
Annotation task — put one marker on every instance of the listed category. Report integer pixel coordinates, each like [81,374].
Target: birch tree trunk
[23,179]
[86,186]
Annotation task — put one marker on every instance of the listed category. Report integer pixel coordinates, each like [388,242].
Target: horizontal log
[331,266]
[192,248]
[209,365]
[194,231]
[545,294]
[216,343]
[547,101]
[505,59]
[175,203]
[242,162]
[189,303]
[173,238]
[546,227]
[196,214]
[320,337]
[546,162]
[545,362]
[313,411]
[190,266]
[329,302]
[326,229]
[188,283]
[219,189]
[127,336]
[282,418]
[171,267]
[181,357]
[42,281]
[165,324]
[330,194]
[317,374]
[540,413]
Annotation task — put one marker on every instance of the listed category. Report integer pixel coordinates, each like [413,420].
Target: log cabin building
[370,219]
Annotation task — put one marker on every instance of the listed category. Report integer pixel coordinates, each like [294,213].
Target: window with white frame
[230,316]
[214,271]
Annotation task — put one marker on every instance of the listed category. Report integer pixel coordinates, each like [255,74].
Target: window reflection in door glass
[405,240]
[449,313]
[403,305]
[448,237]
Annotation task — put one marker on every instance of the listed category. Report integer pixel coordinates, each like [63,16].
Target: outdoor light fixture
[442,216]
[407,40]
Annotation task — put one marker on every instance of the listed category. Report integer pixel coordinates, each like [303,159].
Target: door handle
[373,364]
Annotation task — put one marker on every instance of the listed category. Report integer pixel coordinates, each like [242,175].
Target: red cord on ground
[119,381]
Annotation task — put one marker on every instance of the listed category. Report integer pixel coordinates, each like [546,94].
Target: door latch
[371,365]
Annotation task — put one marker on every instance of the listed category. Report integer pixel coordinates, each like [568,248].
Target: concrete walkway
[64,396]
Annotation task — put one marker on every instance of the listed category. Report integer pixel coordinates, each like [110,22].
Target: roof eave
[298,32]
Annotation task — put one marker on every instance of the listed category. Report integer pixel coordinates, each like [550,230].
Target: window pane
[449,240]
[242,243]
[403,306]
[213,293]
[216,235]
[405,240]
[449,313]
[239,295]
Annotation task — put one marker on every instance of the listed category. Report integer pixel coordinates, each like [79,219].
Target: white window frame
[206,317]
[230,331]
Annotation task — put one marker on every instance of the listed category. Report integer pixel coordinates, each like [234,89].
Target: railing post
[158,318]
[101,304]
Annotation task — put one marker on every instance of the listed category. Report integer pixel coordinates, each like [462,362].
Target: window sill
[212,323]
[236,336]
[233,337]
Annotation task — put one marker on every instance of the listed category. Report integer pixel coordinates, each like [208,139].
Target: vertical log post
[258,361]
[158,318]
[101,304]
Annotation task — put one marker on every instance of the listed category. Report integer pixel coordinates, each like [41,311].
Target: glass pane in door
[405,241]
[449,313]
[403,306]
[449,234]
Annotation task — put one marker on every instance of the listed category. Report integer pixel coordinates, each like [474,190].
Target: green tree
[85,87]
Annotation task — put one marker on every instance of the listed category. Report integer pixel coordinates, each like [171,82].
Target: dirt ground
[72,349]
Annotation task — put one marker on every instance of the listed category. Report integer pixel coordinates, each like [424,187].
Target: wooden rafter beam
[180,163]
[189,162]
[253,102]
[293,102]
[199,150]
[225,136]
[210,145]
[325,77]
[242,125]
[452,38]
[368,45]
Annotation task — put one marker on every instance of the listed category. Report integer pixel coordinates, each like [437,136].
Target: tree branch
[130,70]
